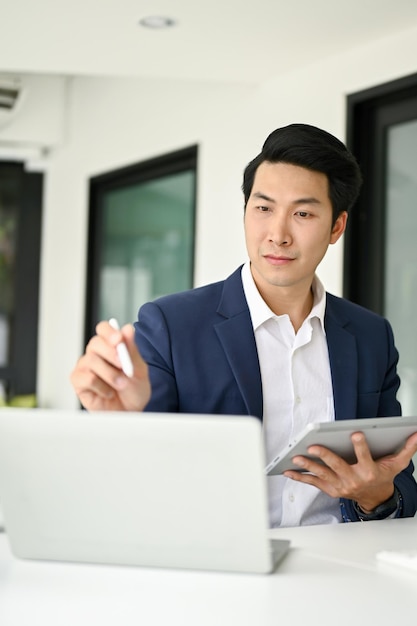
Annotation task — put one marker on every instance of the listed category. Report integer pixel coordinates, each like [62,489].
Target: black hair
[314,149]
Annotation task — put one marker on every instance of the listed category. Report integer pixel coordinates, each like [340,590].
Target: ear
[339,227]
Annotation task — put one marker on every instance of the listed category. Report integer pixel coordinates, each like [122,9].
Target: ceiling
[216,40]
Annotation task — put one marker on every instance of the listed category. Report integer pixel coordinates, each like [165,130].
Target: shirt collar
[260,311]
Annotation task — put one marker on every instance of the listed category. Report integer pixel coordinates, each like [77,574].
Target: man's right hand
[98,379]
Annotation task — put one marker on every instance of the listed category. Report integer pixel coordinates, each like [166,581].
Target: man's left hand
[367,482]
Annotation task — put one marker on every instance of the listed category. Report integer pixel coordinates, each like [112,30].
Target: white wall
[37,120]
[110,123]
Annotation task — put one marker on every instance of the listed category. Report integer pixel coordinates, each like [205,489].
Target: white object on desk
[150,489]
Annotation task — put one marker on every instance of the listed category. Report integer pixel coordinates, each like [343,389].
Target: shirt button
[298,400]
[291,497]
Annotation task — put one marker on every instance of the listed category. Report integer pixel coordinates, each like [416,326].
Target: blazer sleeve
[189,367]
[152,340]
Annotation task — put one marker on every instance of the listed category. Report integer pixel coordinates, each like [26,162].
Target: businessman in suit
[270,342]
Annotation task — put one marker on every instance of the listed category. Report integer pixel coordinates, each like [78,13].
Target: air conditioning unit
[10,96]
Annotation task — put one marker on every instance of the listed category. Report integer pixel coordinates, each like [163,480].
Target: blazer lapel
[343,361]
[236,335]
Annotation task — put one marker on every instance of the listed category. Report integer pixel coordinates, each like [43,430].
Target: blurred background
[122,148]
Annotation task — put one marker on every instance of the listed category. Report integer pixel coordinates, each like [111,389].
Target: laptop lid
[148,489]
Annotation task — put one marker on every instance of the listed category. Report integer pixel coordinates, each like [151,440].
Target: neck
[294,302]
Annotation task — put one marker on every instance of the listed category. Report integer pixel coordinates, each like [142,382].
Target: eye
[263,209]
[303,213]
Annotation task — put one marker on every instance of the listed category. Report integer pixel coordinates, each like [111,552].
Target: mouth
[278,260]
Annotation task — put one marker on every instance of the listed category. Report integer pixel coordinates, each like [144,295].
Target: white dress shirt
[297,389]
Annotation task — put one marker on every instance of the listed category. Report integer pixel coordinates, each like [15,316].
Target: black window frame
[369,113]
[172,163]
[20,374]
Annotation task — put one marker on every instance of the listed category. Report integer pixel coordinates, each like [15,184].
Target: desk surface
[330,576]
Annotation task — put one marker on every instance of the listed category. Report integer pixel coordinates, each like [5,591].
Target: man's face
[288,226]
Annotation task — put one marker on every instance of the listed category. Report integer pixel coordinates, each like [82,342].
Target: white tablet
[385,435]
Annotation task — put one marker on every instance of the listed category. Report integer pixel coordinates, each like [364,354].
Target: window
[380,267]
[20,237]
[141,236]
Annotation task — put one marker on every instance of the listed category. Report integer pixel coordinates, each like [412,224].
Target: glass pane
[148,242]
[9,197]
[401,254]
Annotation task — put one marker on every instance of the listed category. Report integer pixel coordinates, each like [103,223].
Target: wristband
[382,511]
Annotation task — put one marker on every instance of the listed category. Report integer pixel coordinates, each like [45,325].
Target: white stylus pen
[124,356]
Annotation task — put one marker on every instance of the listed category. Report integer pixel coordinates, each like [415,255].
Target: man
[270,342]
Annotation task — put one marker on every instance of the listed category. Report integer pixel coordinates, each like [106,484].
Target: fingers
[321,459]
[332,461]
[139,365]
[411,444]
[332,474]
[107,348]
[319,474]
[98,378]
[401,460]
[360,446]
[102,359]
[366,481]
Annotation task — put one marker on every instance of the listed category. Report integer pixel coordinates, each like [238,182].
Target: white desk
[330,577]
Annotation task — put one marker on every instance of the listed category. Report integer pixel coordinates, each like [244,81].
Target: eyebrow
[263,196]
[308,200]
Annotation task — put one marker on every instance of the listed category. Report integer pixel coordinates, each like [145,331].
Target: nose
[279,233]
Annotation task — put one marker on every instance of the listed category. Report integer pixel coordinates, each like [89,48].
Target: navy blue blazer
[202,357]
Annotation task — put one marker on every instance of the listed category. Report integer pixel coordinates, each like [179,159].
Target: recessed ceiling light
[157,21]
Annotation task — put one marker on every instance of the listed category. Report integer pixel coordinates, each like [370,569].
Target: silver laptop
[144,489]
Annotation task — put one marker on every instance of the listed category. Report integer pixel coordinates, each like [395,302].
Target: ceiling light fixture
[157,21]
